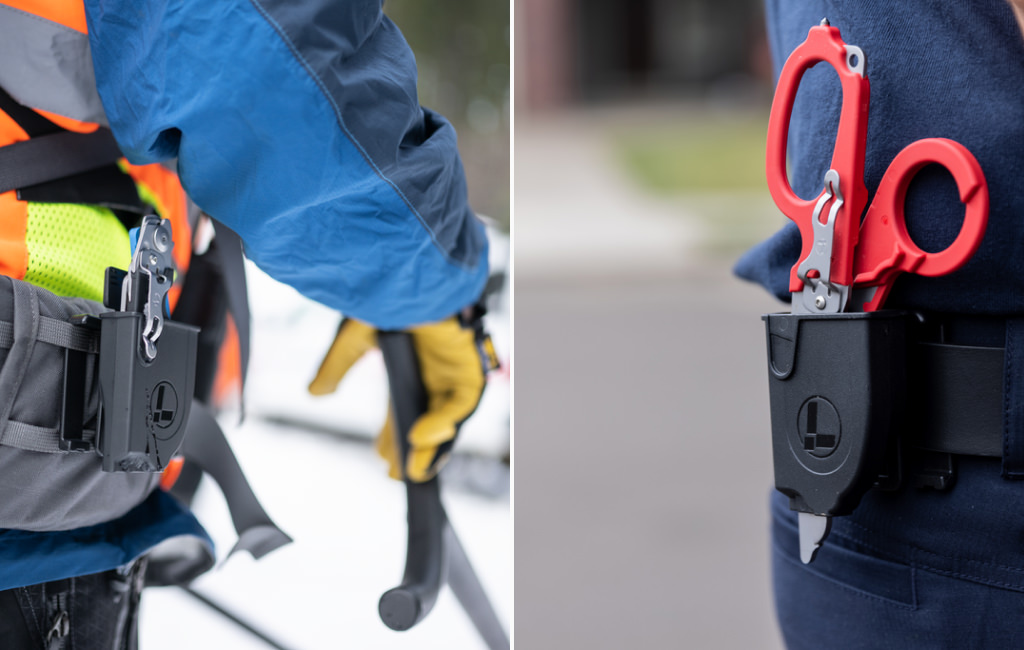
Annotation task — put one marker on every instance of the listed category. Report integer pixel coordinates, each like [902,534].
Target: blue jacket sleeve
[298,125]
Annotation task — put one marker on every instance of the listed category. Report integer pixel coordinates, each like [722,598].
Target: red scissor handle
[886,249]
[823,44]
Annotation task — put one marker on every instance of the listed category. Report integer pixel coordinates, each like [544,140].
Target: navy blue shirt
[946,69]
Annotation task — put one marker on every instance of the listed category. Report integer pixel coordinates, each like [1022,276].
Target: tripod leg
[470,593]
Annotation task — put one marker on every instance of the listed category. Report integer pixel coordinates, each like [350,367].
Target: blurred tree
[462,52]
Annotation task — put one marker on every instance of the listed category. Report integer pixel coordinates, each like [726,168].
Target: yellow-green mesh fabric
[70,246]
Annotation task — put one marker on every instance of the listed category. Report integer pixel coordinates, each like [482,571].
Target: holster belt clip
[872,400]
[146,368]
[72,414]
[837,388]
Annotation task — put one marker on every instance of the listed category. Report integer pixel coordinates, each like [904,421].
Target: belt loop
[26,330]
[1013,400]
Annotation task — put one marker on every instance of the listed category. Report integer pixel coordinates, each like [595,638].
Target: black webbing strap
[58,155]
[31,122]
[232,263]
[51,153]
[206,446]
[957,406]
[215,285]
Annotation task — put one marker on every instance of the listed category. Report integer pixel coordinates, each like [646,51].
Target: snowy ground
[311,463]
[348,521]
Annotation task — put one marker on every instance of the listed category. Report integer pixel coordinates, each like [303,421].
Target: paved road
[642,462]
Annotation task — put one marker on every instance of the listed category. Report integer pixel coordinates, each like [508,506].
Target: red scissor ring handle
[886,248]
[823,44]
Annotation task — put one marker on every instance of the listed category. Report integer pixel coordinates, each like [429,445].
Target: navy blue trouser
[93,612]
[909,569]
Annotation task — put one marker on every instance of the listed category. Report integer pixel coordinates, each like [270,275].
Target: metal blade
[813,531]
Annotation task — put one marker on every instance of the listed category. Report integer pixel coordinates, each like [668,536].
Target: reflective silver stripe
[48,66]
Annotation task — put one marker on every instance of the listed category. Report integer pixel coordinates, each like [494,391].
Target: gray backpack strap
[65,335]
[35,438]
[206,446]
[19,338]
[62,334]
[24,332]
[55,332]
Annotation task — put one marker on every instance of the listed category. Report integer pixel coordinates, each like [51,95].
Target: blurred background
[640,412]
[311,460]
[462,54]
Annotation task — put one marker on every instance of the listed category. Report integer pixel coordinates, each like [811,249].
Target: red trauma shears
[846,265]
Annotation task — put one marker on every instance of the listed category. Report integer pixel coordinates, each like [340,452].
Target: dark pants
[912,569]
[93,612]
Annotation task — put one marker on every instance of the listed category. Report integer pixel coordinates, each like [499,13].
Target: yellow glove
[452,371]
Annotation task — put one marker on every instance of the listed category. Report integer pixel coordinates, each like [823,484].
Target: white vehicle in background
[291,334]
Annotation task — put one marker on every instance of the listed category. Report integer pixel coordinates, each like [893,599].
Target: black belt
[956,394]
[955,384]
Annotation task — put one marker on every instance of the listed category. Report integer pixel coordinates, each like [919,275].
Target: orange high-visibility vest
[46,67]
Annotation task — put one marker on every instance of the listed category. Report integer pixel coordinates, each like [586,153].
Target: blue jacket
[297,125]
